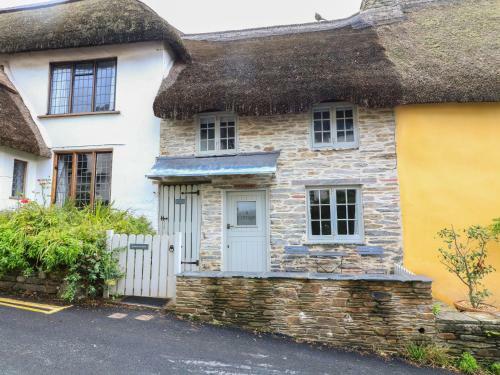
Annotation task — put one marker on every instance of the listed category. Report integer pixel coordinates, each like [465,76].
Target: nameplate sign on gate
[139,246]
[180,201]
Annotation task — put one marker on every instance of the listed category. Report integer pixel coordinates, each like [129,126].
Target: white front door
[246,231]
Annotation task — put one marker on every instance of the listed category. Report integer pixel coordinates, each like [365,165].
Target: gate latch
[196,262]
[171,248]
[163,218]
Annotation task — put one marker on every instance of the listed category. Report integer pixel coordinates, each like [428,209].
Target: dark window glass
[346,211]
[60,88]
[319,205]
[322,132]
[105,86]
[207,134]
[345,125]
[83,179]
[227,132]
[82,87]
[19,178]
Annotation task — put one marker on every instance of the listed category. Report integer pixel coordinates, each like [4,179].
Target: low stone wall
[42,283]
[477,333]
[371,312]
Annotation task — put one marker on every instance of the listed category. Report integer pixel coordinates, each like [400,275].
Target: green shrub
[427,354]
[468,364]
[67,241]
[465,255]
[495,368]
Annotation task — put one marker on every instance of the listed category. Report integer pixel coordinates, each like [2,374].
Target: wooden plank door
[180,211]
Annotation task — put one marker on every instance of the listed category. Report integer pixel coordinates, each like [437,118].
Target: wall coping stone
[467,317]
[306,276]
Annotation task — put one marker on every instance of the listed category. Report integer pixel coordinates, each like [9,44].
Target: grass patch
[428,354]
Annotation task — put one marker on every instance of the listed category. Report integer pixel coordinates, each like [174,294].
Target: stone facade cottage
[287,136]
[279,148]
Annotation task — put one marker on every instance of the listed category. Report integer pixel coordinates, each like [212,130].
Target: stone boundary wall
[42,283]
[477,333]
[370,312]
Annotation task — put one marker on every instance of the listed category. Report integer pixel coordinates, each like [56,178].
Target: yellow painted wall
[449,172]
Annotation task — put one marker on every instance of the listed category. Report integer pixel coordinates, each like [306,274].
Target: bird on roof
[318,17]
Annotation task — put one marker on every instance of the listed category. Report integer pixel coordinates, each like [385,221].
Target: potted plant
[465,256]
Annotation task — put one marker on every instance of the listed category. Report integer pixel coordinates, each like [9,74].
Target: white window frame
[335,238]
[217,120]
[334,144]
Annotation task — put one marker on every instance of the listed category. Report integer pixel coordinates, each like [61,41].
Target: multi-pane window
[335,214]
[207,134]
[82,87]
[334,126]
[217,134]
[84,177]
[19,178]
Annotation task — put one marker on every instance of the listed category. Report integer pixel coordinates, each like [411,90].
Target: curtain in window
[63,182]
[18,178]
[103,178]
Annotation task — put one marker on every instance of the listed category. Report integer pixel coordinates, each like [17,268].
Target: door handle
[229,226]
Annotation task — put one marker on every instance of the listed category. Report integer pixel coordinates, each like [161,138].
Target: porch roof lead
[220,165]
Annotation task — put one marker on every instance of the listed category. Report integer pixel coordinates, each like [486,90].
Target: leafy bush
[427,354]
[495,368]
[495,227]
[66,241]
[468,364]
[465,256]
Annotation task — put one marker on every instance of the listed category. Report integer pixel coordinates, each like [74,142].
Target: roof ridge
[268,28]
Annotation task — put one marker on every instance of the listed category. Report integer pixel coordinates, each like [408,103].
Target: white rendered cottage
[89,86]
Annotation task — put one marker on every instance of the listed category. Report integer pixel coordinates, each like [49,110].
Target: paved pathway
[119,341]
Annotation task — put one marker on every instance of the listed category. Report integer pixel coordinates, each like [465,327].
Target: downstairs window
[334,214]
[84,177]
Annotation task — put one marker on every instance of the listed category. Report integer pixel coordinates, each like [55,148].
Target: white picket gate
[149,264]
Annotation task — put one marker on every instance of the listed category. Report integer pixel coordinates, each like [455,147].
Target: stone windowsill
[79,114]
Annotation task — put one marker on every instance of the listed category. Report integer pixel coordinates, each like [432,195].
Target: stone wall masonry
[42,283]
[477,333]
[377,313]
[372,166]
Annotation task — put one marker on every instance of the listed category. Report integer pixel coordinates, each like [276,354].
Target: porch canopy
[202,167]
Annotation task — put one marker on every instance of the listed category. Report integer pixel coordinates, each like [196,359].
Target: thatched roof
[447,51]
[84,23]
[403,51]
[17,128]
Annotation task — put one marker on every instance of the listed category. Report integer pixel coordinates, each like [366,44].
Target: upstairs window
[82,87]
[217,134]
[334,126]
[84,177]
[335,214]
[19,179]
